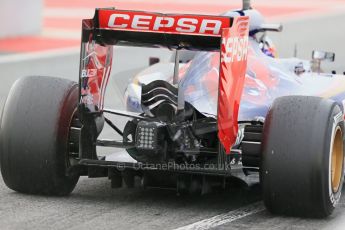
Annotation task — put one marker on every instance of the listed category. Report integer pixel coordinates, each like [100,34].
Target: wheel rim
[337,160]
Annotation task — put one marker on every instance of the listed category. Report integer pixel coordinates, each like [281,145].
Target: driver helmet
[255,23]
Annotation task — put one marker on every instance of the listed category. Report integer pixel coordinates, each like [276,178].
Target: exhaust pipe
[246,5]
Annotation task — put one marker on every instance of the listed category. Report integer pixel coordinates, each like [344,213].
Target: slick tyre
[34,136]
[302,167]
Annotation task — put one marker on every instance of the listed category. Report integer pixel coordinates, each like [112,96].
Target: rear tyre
[303,156]
[34,136]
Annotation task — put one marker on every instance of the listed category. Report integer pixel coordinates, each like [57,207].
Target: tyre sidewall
[331,199]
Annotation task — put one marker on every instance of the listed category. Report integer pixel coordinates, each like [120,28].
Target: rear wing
[110,27]
[117,27]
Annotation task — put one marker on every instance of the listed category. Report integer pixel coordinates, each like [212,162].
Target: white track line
[10,58]
[300,17]
[69,13]
[225,218]
[74,34]
[52,53]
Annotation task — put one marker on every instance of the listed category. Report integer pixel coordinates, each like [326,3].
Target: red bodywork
[233,65]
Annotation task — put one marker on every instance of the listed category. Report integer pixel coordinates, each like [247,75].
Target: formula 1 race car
[224,105]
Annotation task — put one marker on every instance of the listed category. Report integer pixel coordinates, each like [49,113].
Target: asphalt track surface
[94,205]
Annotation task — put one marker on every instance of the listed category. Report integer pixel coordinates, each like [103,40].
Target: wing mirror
[272,27]
[322,56]
[267,28]
[318,57]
